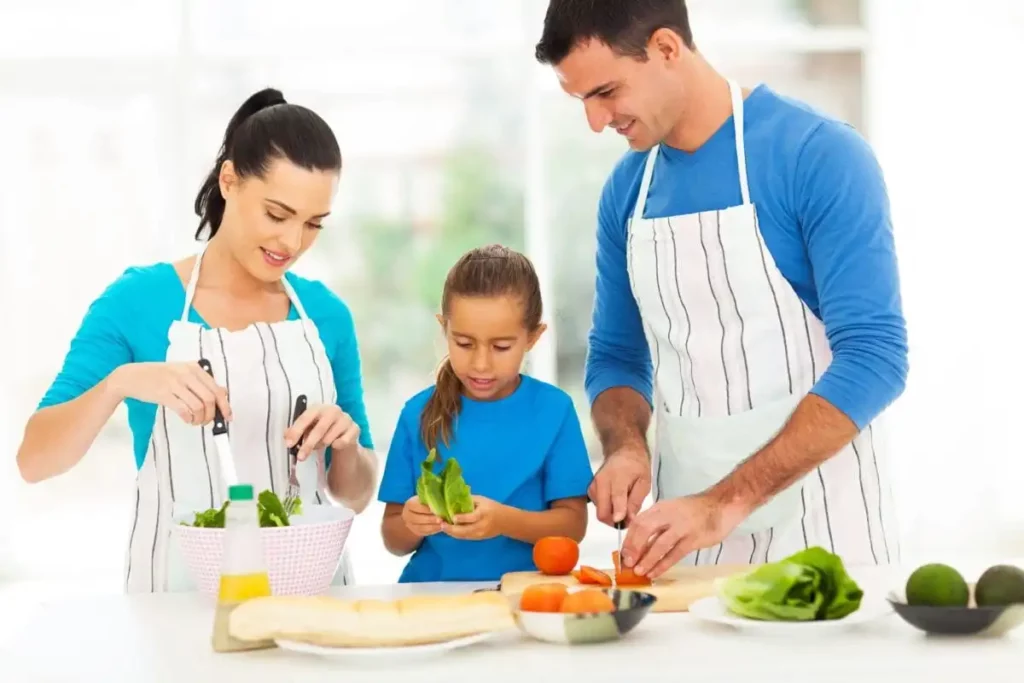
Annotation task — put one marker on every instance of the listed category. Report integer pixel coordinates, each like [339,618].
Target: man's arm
[618,377]
[843,209]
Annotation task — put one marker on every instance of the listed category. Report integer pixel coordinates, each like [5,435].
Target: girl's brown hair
[490,271]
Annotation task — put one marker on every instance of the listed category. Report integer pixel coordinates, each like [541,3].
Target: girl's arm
[565,517]
[398,539]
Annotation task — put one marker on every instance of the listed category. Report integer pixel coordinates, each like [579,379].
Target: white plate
[712,609]
[378,652]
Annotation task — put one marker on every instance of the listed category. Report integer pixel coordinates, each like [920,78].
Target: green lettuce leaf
[271,511]
[811,585]
[458,499]
[430,487]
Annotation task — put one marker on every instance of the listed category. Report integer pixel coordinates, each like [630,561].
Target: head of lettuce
[811,585]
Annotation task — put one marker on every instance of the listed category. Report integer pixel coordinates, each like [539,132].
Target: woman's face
[269,222]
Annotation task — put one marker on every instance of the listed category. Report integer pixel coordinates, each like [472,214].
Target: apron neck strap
[190,290]
[736,95]
[737,116]
[645,184]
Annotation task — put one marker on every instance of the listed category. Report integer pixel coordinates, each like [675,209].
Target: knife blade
[221,439]
[619,526]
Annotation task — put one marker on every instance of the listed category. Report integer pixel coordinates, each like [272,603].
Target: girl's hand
[326,426]
[484,522]
[419,519]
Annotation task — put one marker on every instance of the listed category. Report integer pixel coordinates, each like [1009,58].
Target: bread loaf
[337,622]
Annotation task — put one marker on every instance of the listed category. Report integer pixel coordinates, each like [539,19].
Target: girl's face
[486,344]
[270,222]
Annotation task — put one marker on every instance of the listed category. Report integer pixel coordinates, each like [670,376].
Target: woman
[269,336]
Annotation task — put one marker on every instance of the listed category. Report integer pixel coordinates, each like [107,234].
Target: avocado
[999,586]
[937,585]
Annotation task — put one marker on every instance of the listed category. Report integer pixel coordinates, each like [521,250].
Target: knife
[293,480]
[221,440]
[619,526]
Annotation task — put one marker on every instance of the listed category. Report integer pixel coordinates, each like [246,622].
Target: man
[747,297]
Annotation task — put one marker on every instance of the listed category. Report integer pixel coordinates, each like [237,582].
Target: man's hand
[665,533]
[620,485]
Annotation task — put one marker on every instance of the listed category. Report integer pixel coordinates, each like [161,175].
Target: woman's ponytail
[209,204]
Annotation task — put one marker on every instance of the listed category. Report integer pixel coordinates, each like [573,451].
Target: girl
[269,335]
[517,439]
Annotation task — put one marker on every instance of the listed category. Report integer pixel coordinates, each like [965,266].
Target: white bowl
[301,559]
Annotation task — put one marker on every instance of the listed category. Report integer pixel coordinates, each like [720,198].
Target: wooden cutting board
[676,590]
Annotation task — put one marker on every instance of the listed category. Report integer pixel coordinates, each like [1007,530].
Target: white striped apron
[734,350]
[264,368]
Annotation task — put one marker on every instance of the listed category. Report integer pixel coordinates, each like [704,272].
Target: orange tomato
[556,555]
[588,601]
[543,597]
[626,576]
[594,577]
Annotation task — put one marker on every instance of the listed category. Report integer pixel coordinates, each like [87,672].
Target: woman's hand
[184,388]
[419,519]
[324,426]
[485,521]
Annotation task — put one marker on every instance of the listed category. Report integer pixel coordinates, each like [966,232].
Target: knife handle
[617,525]
[300,407]
[220,426]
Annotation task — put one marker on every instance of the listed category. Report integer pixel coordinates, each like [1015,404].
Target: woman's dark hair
[264,128]
[490,271]
[623,25]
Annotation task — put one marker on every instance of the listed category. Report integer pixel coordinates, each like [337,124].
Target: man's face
[641,100]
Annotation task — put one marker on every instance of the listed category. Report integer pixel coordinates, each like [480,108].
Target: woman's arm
[352,478]
[84,394]
[57,437]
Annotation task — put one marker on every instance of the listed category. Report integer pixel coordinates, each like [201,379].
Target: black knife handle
[220,426]
[300,407]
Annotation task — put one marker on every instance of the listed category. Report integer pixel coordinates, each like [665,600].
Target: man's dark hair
[623,25]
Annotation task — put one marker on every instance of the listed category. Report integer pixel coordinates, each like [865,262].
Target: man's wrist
[736,502]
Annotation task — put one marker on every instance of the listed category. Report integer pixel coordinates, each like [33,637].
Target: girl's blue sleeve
[99,346]
[567,472]
[398,483]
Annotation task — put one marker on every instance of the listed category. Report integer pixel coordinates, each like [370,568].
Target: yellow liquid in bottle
[234,590]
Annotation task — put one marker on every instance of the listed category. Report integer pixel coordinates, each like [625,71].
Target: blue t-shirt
[129,322]
[525,451]
[823,212]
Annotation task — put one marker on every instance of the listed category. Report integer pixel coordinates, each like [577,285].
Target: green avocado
[937,585]
[999,586]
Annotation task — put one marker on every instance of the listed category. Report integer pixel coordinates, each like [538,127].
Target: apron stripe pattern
[735,350]
[262,367]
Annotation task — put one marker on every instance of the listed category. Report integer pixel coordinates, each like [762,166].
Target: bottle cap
[240,492]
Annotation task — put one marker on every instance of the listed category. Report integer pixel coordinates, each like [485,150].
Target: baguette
[336,622]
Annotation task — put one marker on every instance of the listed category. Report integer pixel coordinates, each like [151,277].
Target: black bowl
[959,621]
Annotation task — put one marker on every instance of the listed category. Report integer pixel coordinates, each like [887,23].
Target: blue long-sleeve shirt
[128,323]
[823,211]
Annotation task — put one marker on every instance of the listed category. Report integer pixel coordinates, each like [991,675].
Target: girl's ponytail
[437,421]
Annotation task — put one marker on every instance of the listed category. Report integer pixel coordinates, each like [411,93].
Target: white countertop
[166,637]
